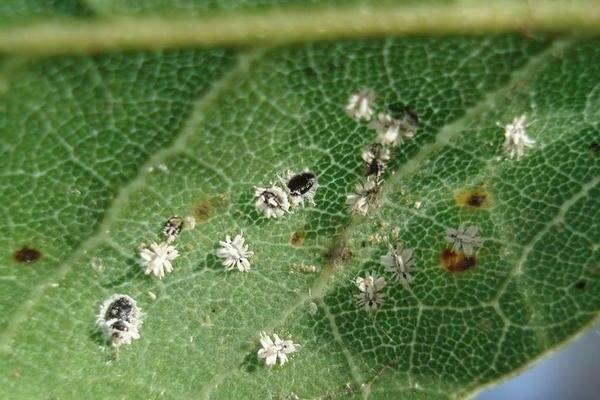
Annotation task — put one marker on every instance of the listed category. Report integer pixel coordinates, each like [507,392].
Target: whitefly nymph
[399,261]
[395,125]
[119,319]
[235,253]
[157,258]
[516,139]
[465,238]
[364,195]
[361,104]
[301,187]
[371,295]
[275,349]
[271,201]
[375,157]
[172,228]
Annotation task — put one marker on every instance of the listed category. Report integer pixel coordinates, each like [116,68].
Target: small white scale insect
[516,140]
[360,104]
[275,349]
[375,157]
[465,239]
[364,195]
[371,296]
[394,126]
[156,259]
[399,261]
[271,201]
[119,320]
[235,253]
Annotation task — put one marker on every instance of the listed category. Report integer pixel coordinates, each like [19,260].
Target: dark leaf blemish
[580,285]
[338,253]
[207,208]
[298,238]
[475,199]
[456,261]
[27,255]
[250,362]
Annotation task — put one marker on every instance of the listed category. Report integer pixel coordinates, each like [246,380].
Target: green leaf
[98,151]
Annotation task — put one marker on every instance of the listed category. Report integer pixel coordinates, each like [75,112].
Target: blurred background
[572,373]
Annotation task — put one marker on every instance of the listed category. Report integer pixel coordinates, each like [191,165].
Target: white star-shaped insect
[371,295]
[399,261]
[388,129]
[465,239]
[365,194]
[391,131]
[156,259]
[375,157]
[277,349]
[272,201]
[360,104]
[235,253]
[516,140]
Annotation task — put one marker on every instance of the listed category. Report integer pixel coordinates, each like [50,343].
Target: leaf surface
[99,151]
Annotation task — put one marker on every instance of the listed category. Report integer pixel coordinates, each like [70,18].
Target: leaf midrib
[112,33]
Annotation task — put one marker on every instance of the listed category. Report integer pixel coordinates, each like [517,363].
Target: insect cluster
[157,258]
[392,126]
[292,190]
[399,261]
[120,319]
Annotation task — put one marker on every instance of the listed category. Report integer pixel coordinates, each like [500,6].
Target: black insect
[375,157]
[119,320]
[301,184]
[273,199]
[173,227]
[121,309]
[119,326]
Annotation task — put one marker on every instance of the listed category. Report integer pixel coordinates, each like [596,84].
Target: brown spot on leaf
[456,261]
[208,207]
[202,212]
[16,373]
[474,199]
[298,238]
[27,255]
[338,253]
